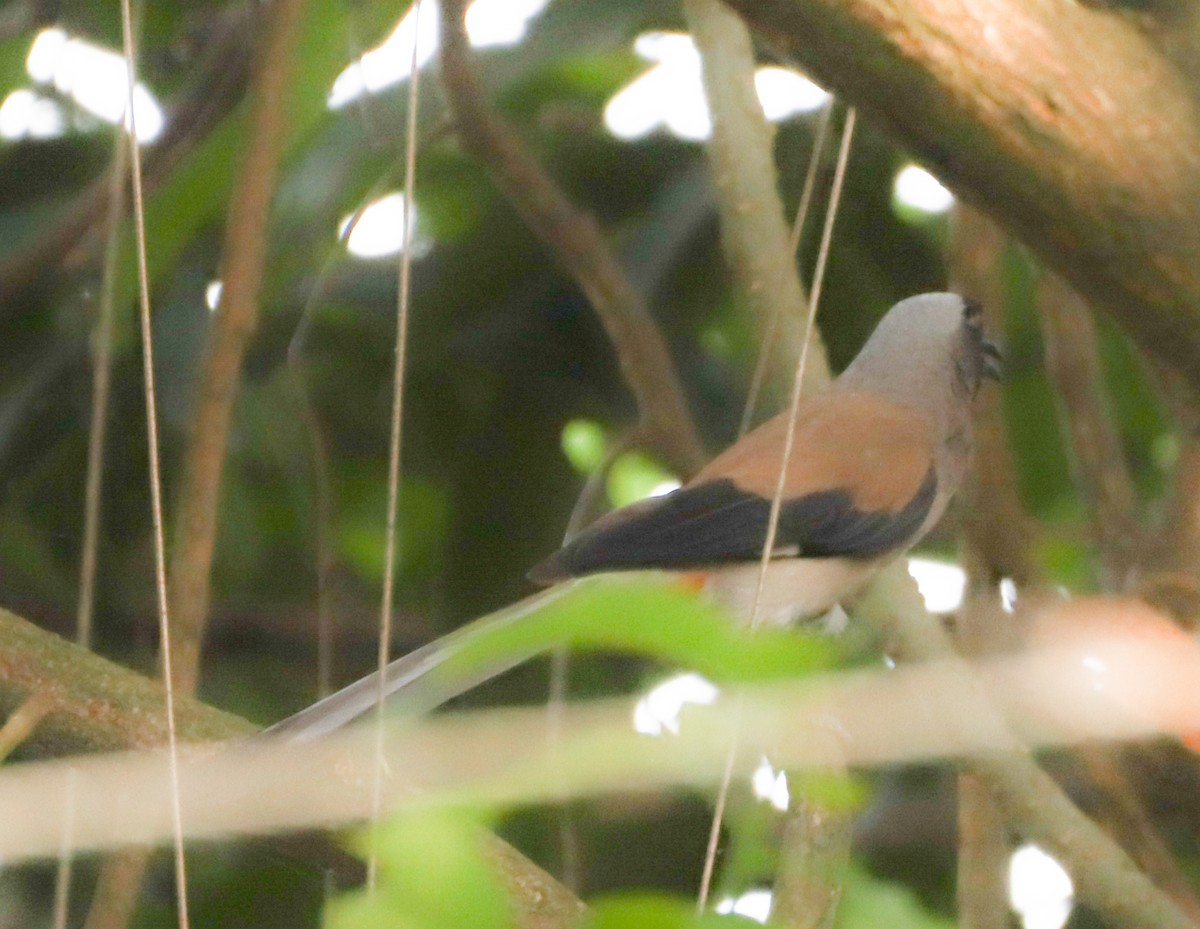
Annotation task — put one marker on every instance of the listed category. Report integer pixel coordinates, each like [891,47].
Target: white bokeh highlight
[658,712]
[377,230]
[212,294]
[785,93]
[95,78]
[26,114]
[664,487]
[770,785]
[919,190]
[670,94]
[1039,890]
[489,23]
[941,584]
[753,904]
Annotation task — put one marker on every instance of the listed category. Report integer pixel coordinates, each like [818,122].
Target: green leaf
[584,442]
[432,875]
[869,902]
[635,476]
[641,613]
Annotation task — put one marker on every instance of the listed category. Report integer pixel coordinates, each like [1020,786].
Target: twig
[100,706]
[815,853]
[1073,368]
[152,443]
[403,302]
[1037,112]
[789,437]
[195,532]
[802,208]
[102,339]
[997,537]
[574,239]
[1034,805]
[741,155]
[998,529]
[98,916]
[242,262]
[23,720]
[761,250]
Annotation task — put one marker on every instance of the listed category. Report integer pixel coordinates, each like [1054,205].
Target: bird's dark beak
[993,361]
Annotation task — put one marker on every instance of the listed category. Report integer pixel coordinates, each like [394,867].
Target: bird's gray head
[928,349]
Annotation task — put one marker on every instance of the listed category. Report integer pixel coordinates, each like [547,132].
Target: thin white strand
[835,195]
[718,818]
[389,567]
[160,569]
[66,855]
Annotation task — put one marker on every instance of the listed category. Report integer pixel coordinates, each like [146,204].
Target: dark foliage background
[504,351]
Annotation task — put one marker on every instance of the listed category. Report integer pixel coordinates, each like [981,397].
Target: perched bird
[875,459]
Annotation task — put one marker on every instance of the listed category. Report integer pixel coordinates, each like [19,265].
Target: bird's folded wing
[861,481]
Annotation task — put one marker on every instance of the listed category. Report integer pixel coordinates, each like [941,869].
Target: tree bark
[1063,121]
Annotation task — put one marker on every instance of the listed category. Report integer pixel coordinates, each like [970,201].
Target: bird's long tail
[416,682]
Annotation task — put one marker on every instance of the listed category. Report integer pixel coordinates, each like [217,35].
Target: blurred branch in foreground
[97,706]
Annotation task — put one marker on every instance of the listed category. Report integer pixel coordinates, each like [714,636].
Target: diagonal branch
[1062,120]
[96,705]
[574,239]
[741,155]
[1034,805]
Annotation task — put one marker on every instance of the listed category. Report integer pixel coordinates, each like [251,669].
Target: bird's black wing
[717,522]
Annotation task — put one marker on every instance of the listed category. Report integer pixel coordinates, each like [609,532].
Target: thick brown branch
[576,242]
[96,705]
[1060,119]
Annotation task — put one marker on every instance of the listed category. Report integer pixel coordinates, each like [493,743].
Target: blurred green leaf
[584,442]
[655,618]
[869,902]
[635,476]
[432,875]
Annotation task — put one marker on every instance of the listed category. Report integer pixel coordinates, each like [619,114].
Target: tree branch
[242,262]
[574,239]
[1034,805]
[741,155]
[1073,369]
[997,528]
[1061,120]
[997,531]
[96,706]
